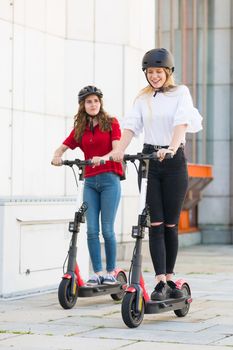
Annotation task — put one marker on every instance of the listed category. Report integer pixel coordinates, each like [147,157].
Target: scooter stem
[137,262]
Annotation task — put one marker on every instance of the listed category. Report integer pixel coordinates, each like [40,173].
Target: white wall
[50,49]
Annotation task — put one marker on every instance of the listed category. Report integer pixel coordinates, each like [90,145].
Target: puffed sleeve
[186,113]
[133,119]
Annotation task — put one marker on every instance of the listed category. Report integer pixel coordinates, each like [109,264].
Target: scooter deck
[90,291]
[156,307]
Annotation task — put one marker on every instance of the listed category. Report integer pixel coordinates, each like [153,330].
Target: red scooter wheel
[130,315]
[66,298]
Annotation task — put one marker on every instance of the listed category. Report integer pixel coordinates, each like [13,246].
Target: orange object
[199,177]
[200,170]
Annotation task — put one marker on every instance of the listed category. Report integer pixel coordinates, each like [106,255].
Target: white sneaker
[109,279]
[95,280]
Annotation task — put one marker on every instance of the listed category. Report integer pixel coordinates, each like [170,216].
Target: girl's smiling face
[156,77]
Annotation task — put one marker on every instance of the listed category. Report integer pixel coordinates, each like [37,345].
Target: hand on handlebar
[117,156]
[95,161]
[162,153]
[57,161]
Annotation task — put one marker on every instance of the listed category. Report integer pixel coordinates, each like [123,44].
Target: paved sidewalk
[38,322]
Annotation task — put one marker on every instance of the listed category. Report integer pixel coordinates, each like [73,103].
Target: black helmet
[158,58]
[89,90]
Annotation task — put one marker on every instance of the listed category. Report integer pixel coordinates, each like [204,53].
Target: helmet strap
[90,120]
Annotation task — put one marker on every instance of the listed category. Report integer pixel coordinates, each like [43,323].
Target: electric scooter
[72,285]
[136,301]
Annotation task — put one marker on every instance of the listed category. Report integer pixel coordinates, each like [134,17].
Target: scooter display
[136,301]
[72,285]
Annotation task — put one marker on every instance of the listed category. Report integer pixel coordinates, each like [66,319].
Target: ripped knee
[156,223]
[170,225]
[156,230]
[171,229]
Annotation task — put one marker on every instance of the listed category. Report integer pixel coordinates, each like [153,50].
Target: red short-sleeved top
[97,143]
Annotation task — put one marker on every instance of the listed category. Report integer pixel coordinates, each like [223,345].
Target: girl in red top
[97,134]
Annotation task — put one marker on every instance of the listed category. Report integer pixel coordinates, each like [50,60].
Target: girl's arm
[117,152]
[118,148]
[57,157]
[178,137]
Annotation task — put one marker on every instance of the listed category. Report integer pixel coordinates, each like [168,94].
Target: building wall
[51,49]
[215,210]
[200,34]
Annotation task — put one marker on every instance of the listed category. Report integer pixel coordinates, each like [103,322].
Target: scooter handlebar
[79,162]
[142,156]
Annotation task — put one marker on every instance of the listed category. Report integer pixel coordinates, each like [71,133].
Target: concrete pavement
[39,323]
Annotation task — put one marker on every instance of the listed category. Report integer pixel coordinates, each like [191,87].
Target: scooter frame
[72,285]
[136,301]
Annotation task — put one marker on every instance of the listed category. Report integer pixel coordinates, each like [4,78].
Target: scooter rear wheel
[187,293]
[121,277]
[66,299]
[130,316]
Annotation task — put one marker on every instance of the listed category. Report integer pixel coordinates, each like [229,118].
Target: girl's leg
[157,250]
[174,187]
[92,197]
[171,243]
[156,231]
[110,197]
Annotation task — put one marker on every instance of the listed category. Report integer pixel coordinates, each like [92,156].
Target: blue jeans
[102,194]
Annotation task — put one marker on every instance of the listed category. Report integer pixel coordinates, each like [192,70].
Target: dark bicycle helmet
[89,90]
[158,58]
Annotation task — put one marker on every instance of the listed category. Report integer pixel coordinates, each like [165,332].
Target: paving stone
[141,334]
[227,341]
[43,342]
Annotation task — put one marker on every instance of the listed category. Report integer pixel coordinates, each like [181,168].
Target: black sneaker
[160,292]
[173,291]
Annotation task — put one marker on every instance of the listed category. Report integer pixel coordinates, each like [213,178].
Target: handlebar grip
[55,164]
[168,156]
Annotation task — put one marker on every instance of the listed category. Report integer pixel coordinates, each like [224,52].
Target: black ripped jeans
[167,186]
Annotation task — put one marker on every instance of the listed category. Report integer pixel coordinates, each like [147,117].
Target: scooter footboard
[90,291]
[157,307]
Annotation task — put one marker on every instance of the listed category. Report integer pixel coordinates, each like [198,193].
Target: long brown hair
[81,120]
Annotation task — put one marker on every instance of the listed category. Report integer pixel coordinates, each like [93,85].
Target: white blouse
[159,114]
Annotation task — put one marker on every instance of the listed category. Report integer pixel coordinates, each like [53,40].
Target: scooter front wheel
[130,315]
[66,298]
